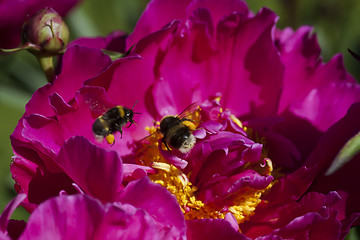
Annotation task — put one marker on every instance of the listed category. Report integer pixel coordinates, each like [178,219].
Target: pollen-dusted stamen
[244,204]
[161,166]
[236,120]
[173,170]
[240,204]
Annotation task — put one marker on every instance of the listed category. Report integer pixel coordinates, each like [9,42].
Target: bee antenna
[133,121]
[137,113]
[134,104]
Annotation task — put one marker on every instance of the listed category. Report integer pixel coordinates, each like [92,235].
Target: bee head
[129,114]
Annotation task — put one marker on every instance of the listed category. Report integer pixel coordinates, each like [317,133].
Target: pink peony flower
[269,116]
[14,12]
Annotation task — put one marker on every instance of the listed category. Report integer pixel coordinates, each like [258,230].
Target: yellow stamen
[161,166]
[236,120]
[241,204]
[217,99]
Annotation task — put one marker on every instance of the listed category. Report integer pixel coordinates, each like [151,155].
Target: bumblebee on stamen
[177,132]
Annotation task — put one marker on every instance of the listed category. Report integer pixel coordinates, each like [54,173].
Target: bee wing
[193,107]
[96,99]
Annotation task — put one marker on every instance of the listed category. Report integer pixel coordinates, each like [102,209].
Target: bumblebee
[177,133]
[111,122]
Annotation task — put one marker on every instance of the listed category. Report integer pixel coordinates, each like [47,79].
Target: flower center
[241,204]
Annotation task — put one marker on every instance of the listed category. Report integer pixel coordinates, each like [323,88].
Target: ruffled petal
[159,13]
[320,93]
[51,219]
[158,202]
[212,229]
[326,105]
[9,209]
[97,171]
[82,217]
[219,188]
[113,42]
[78,65]
[344,178]
[314,215]
[242,65]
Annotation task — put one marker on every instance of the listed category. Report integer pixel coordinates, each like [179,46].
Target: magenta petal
[97,171]
[325,152]
[134,171]
[156,15]
[113,42]
[159,13]
[311,86]
[157,201]
[290,187]
[78,65]
[320,222]
[314,215]
[22,172]
[16,228]
[127,222]
[40,131]
[168,98]
[9,209]
[212,229]
[228,140]
[219,9]
[59,105]
[253,38]
[326,105]
[119,81]
[347,223]
[172,158]
[299,227]
[228,186]
[82,217]
[46,185]
[211,126]
[199,133]
[300,53]
[4,236]
[65,217]
[232,220]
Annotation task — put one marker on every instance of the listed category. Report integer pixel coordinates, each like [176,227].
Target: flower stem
[47,65]
[26,46]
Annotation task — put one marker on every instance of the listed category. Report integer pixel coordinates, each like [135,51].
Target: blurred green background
[335,22]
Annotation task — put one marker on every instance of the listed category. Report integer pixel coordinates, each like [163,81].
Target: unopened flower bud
[47,30]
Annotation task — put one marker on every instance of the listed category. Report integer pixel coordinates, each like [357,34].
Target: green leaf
[113,55]
[346,153]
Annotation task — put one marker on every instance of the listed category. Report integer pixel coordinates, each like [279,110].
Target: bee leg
[186,119]
[166,145]
[121,132]
[190,120]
